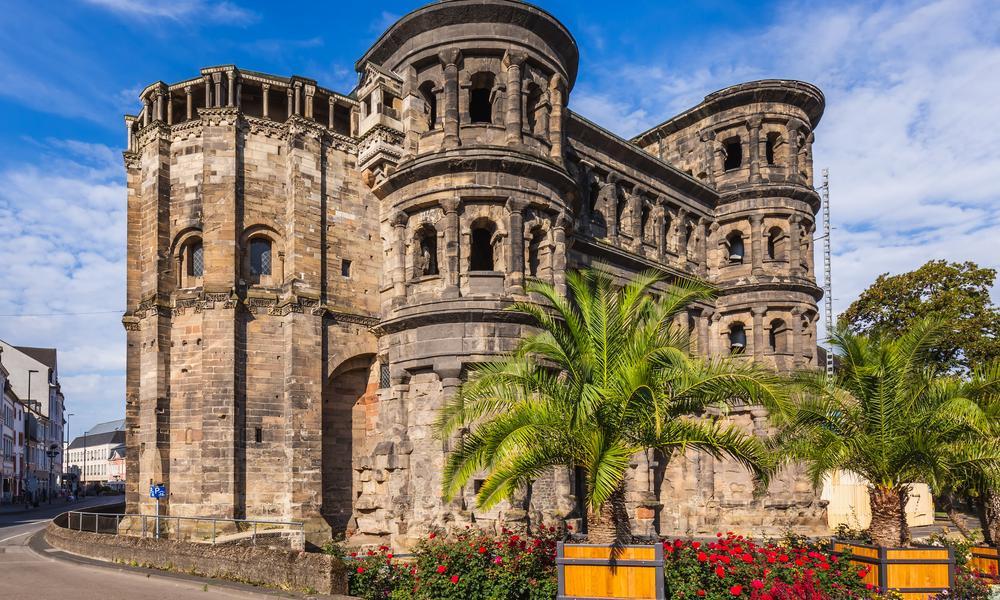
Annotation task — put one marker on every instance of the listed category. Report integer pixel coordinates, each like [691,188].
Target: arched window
[481,251]
[425,260]
[770,143]
[430,103]
[195,258]
[734,153]
[776,244]
[533,101]
[260,258]
[778,337]
[480,101]
[737,338]
[734,244]
[537,254]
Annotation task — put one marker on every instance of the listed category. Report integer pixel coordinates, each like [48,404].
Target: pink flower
[497,560]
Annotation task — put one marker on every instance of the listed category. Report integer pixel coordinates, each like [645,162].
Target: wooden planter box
[914,572]
[586,571]
[986,561]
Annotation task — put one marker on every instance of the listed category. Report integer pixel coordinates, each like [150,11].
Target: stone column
[561,225]
[298,98]
[168,105]
[208,91]
[609,193]
[757,243]
[713,342]
[147,108]
[796,336]
[449,60]
[188,102]
[399,272]
[635,216]
[513,61]
[753,125]
[703,320]
[556,93]
[310,91]
[793,148]
[794,249]
[758,331]
[760,424]
[451,243]
[217,80]
[158,106]
[239,92]
[515,207]
[291,102]
[661,230]
[265,91]
[708,139]
[230,88]
[702,230]
[333,103]
[682,249]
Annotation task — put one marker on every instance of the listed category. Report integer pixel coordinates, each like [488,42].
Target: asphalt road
[32,573]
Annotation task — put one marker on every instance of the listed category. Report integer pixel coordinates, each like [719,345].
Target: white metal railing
[194,529]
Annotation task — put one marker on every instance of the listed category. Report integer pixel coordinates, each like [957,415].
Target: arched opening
[190,261]
[778,337]
[734,247]
[430,103]
[480,105]
[425,260]
[734,153]
[737,338]
[259,258]
[349,394]
[533,101]
[481,247]
[538,254]
[770,144]
[776,244]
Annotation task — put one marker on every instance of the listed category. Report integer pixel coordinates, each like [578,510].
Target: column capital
[450,56]
[217,76]
[758,311]
[514,58]
[400,219]
[515,205]
[265,86]
[187,89]
[707,135]
[796,311]
[756,219]
[755,122]
[450,205]
[795,123]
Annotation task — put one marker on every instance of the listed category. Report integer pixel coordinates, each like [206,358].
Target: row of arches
[257,257]
[784,244]
[779,337]
[776,245]
[484,250]
[485,98]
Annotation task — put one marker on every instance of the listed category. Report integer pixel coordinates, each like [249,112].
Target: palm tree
[891,417]
[605,377]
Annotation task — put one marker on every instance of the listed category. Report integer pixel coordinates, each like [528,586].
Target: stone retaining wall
[274,567]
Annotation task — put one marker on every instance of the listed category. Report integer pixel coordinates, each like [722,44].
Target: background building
[34,381]
[97,455]
[311,273]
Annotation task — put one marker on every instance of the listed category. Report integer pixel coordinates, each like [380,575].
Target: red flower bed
[736,567]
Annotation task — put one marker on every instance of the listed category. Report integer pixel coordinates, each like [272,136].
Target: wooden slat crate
[586,571]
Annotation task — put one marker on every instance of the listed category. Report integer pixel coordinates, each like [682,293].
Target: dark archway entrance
[346,403]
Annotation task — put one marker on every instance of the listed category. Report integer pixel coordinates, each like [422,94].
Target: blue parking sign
[157,490]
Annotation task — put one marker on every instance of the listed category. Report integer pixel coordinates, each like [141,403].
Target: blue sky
[911,133]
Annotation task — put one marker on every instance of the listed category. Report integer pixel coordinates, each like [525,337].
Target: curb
[38,545]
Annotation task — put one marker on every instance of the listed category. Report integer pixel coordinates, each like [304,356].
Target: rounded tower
[461,139]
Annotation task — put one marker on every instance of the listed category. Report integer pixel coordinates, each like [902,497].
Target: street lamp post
[27,437]
[52,453]
[66,442]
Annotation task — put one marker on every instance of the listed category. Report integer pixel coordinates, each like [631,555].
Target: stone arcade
[311,273]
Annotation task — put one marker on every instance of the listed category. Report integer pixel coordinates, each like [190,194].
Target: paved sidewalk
[46,507]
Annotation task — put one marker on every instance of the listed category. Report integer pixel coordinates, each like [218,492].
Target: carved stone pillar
[661,230]
[561,225]
[310,91]
[298,98]
[757,243]
[609,194]
[635,216]
[449,60]
[513,61]
[169,105]
[147,109]
[516,226]
[399,251]
[753,125]
[265,91]
[794,247]
[557,96]
[451,246]
[333,104]
[702,230]
[290,106]
[796,336]
[793,148]
[703,322]
[208,91]
[713,343]
[188,102]
[708,140]
[758,331]
[217,82]
[239,92]
[683,238]
[230,88]
[760,422]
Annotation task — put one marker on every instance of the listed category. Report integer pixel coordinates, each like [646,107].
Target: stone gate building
[311,273]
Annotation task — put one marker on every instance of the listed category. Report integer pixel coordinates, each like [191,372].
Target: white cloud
[909,133]
[180,10]
[64,253]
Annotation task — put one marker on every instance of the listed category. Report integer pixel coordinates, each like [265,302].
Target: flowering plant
[472,565]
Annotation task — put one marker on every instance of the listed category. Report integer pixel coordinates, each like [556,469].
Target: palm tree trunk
[991,518]
[610,525]
[888,526]
[951,509]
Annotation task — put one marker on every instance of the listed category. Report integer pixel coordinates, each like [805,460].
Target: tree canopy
[957,294]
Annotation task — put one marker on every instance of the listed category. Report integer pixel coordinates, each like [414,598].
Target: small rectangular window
[258,435]
[383,375]
[345,268]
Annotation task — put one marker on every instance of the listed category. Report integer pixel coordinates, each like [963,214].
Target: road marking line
[15,536]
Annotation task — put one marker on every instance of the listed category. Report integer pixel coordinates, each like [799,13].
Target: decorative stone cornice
[132,159]
[157,130]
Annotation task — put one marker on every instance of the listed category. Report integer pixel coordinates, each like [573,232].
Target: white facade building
[97,456]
